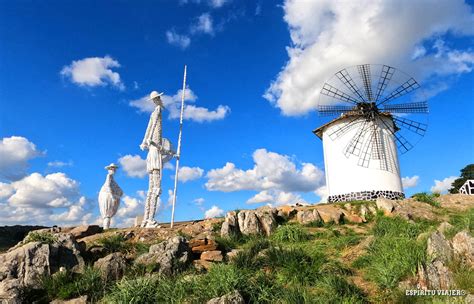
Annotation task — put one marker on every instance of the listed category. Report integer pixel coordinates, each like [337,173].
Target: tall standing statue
[159,152]
[109,196]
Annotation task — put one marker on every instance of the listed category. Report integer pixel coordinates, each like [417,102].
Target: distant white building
[468,187]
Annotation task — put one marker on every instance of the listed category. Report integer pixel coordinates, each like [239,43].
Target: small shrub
[216,227]
[115,243]
[290,233]
[43,237]
[427,198]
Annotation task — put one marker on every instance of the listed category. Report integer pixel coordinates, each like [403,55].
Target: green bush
[427,198]
[290,233]
[115,243]
[43,237]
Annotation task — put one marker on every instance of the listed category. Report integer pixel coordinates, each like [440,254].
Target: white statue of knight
[159,152]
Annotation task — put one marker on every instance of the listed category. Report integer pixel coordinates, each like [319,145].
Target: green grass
[115,243]
[399,227]
[43,237]
[463,276]
[464,221]
[290,233]
[427,198]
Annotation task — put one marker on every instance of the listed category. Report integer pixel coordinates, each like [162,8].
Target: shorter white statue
[109,196]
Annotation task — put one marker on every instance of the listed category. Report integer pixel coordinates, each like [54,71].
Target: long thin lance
[178,152]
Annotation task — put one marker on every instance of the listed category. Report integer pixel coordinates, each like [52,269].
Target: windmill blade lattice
[380,105]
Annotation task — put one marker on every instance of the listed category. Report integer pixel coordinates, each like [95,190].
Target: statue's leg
[156,193]
[149,199]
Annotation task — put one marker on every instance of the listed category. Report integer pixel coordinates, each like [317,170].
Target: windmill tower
[377,118]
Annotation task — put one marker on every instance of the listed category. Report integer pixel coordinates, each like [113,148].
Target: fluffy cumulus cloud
[130,208]
[93,71]
[37,199]
[186,174]
[133,165]
[15,152]
[172,103]
[275,176]
[213,212]
[330,35]
[444,185]
[410,182]
[181,41]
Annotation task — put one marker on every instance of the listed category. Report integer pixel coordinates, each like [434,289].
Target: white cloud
[94,71]
[322,192]
[330,35]
[410,182]
[276,198]
[213,212]
[186,174]
[15,152]
[199,201]
[60,164]
[47,200]
[181,41]
[173,105]
[271,171]
[211,3]
[203,24]
[133,165]
[443,185]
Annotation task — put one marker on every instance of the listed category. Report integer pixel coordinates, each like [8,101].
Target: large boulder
[386,205]
[268,220]
[249,222]
[308,216]
[85,230]
[201,245]
[213,256]
[330,213]
[438,248]
[463,247]
[230,226]
[169,255]
[25,264]
[435,275]
[231,298]
[112,267]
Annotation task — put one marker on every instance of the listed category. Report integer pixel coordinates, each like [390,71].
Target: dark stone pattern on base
[366,196]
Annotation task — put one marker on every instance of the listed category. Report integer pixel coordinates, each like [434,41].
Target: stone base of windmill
[366,196]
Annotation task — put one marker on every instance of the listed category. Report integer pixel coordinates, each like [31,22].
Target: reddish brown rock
[330,213]
[85,230]
[201,245]
[213,256]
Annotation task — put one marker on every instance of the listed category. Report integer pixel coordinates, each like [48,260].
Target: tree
[466,173]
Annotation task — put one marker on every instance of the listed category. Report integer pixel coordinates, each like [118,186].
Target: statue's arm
[147,137]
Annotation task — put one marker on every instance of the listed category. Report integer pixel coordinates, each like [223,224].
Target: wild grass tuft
[115,243]
[290,233]
[41,236]
[464,221]
[427,198]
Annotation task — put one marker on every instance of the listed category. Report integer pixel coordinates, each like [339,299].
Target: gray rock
[384,204]
[85,230]
[267,220]
[308,216]
[435,275]
[230,225]
[231,298]
[444,226]
[249,222]
[463,246]
[438,248]
[112,266]
[24,265]
[170,255]
[364,212]
[80,300]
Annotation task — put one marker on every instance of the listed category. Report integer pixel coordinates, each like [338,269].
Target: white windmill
[376,115]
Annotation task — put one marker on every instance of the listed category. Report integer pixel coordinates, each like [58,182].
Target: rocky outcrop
[80,300]
[112,267]
[201,245]
[24,264]
[212,256]
[463,247]
[231,298]
[438,248]
[308,216]
[330,214]
[169,255]
[250,222]
[85,230]
[386,205]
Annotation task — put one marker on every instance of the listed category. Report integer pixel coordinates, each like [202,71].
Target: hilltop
[355,252]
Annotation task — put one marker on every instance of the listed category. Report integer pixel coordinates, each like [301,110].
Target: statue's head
[111,168]
[156,98]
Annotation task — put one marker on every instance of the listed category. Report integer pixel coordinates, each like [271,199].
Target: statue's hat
[154,94]
[111,166]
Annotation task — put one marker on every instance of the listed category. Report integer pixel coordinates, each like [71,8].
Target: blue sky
[74,74]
